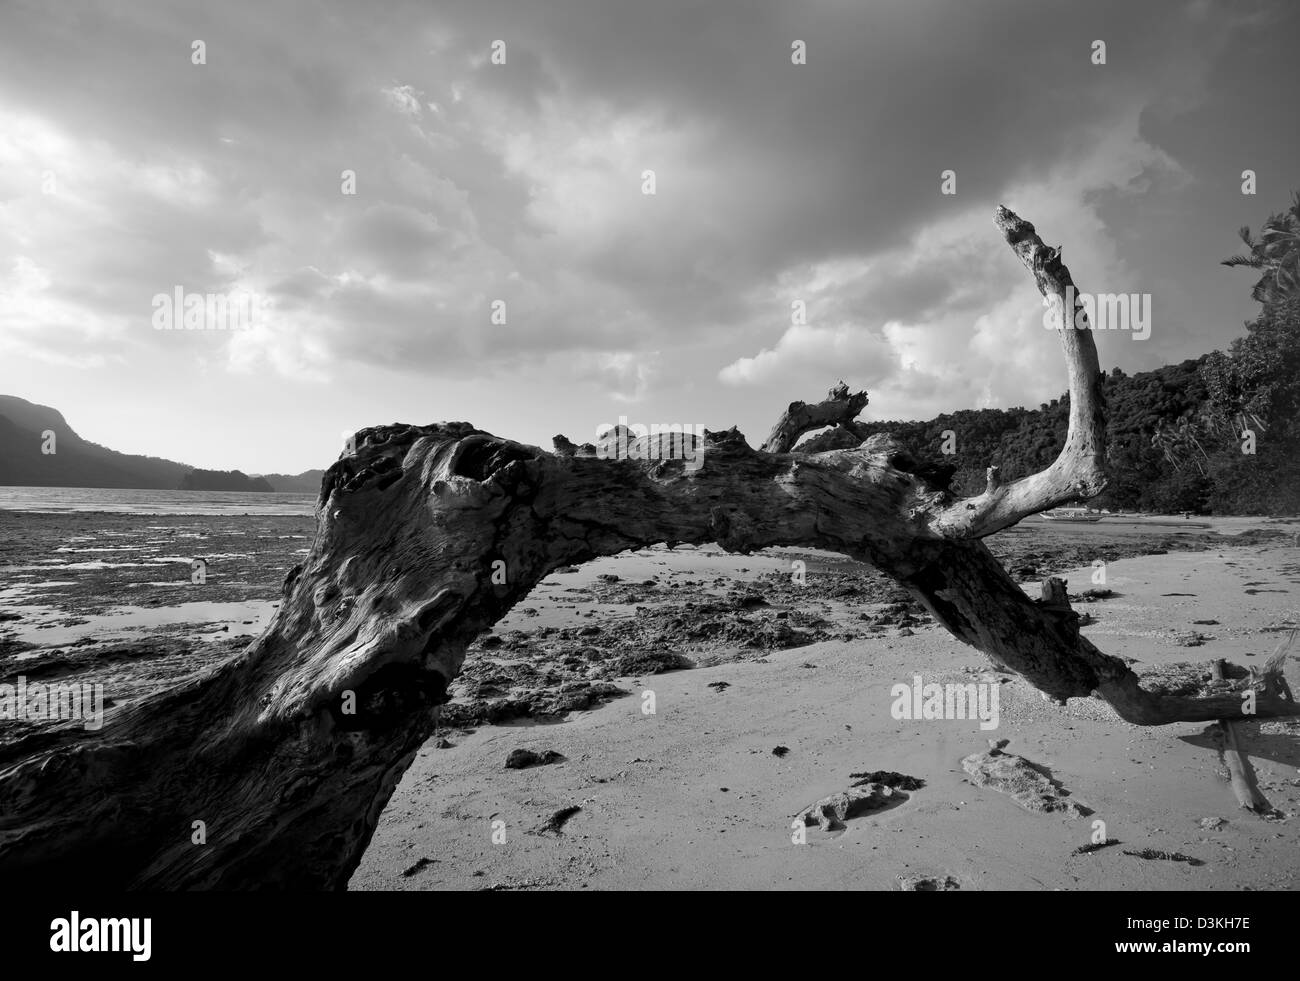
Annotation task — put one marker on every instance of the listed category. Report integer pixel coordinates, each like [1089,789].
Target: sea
[55,500]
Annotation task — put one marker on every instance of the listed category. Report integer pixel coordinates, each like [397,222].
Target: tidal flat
[115,599]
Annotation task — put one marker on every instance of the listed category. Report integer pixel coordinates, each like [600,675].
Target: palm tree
[1276,252]
[1179,444]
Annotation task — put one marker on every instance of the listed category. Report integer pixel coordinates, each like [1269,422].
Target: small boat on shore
[1072,514]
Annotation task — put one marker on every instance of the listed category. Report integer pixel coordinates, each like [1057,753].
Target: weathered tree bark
[838,408]
[1240,772]
[289,783]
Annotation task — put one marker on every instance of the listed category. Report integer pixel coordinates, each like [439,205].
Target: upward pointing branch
[1079,472]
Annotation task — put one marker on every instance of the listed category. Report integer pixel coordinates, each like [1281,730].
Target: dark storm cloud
[845,153]
[522,181]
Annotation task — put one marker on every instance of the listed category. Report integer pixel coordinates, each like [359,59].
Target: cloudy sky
[127,170]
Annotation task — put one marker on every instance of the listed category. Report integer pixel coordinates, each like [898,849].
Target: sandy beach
[693,797]
[698,701]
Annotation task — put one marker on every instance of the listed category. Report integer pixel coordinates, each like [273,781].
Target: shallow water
[49,500]
[42,624]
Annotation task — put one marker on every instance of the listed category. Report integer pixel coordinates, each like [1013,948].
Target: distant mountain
[307,482]
[223,480]
[26,460]
[29,432]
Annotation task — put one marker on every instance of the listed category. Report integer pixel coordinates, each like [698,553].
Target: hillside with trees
[1216,434]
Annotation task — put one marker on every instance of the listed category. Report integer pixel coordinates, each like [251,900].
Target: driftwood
[838,408]
[289,752]
[1241,774]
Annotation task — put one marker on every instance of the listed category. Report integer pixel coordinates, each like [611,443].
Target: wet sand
[109,598]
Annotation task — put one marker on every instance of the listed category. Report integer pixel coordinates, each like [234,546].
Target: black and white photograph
[650,446]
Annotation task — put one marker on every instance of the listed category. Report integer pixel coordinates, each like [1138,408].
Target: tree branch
[1079,472]
[838,408]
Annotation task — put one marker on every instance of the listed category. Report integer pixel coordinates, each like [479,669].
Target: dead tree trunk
[289,784]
